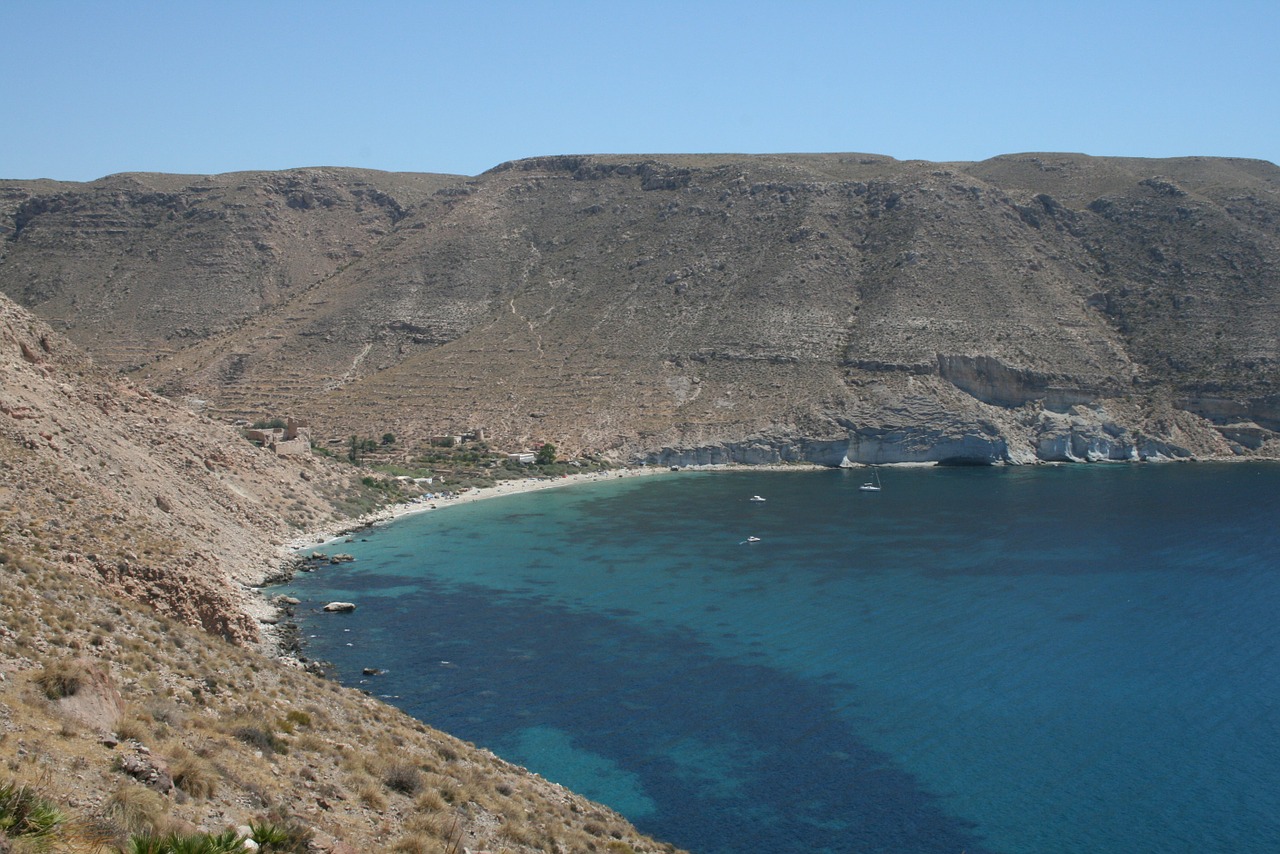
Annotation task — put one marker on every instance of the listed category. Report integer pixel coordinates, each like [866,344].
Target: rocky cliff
[694,308]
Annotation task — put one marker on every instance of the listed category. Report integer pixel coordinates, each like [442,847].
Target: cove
[1067,658]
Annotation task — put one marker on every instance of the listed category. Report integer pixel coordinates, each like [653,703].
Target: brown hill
[695,308]
[138,494]
[129,530]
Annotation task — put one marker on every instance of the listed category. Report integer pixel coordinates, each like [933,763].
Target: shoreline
[287,552]
[274,618]
[392,512]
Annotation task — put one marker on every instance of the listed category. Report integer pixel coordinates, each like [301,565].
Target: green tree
[546,454]
[388,438]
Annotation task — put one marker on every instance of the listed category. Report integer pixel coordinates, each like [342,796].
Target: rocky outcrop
[990,381]
[1108,430]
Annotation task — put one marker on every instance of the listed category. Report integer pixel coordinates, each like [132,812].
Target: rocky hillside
[138,494]
[694,308]
[132,703]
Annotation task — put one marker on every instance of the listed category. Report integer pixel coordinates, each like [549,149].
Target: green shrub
[284,836]
[228,842]
[25,812]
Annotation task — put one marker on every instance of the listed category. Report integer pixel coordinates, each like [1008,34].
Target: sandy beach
[390,513]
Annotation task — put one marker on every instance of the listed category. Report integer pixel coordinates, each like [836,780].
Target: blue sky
[94,88]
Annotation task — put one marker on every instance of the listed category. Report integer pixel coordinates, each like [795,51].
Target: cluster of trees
[359,447]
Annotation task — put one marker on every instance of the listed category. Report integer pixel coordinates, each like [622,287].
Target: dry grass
[371,796]
[61,679]
[421,844]
[136,808]
[402,777]
[192,774]
[135,727]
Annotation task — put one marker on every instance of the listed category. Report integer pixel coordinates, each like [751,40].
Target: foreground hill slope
[135,493]
[130,696]
[706,308]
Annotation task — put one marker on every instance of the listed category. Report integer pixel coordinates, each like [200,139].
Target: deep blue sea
[1077,658]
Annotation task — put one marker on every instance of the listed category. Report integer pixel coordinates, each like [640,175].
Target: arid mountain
[130,528]
[694,308]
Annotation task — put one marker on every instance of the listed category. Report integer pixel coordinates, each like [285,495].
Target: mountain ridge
[668,308]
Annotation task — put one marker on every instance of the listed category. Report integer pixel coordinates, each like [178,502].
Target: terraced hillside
[698,308]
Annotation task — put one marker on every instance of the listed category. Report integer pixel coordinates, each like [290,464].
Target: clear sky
[94,87]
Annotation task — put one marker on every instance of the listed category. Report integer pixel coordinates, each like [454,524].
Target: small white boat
[756,498]
[753,539]
[870,486]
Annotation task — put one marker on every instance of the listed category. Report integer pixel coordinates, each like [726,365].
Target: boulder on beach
[340,607]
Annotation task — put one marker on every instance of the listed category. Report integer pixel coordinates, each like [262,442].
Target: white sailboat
[869,486]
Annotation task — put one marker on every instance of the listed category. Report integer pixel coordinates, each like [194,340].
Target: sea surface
[1047,659]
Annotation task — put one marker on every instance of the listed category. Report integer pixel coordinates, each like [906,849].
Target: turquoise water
[1050,659]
